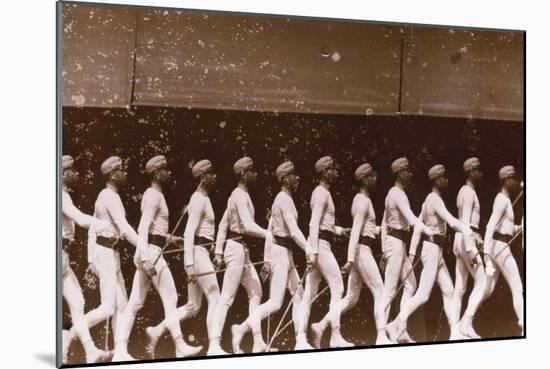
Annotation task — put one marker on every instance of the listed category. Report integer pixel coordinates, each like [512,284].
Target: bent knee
[226,299]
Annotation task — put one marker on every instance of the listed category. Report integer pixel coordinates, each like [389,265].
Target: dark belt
[367,241]
[438,239]
[475,229]
[288,243]
[502,237]
[326,235]
[203,241]
[401,234]
[110,242]
[244,239]
[67,242]
[157,240]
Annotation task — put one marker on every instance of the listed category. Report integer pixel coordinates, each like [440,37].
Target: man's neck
[243,186]
[437,191]
[470,183]
[505,192]
[286,190]
[364,190]
[65,188]
[324,184]
[112,187]
[399,185]
[202,189]
[156,186]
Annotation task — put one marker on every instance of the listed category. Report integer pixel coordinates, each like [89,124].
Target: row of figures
[401,232]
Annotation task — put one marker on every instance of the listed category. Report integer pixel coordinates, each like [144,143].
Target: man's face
[209,179]
[513,185]
[164,177]
[250,177]
[442,182]
[371,180]
[118,177]
[330,174]
[70,178]
[475,175]
[292,181]
[405,176]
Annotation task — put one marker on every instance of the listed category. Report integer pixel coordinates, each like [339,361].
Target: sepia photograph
[234,184]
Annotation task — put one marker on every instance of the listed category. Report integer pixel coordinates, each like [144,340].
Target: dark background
[185,136]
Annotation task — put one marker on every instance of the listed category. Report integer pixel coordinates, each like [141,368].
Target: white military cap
[201,167]
[155,163]
[282,170]
[112,163]
[506,171]
[67,161]
[399,164]
[323,163]
[436,171]
[242,164]
[362,170]
[471,163]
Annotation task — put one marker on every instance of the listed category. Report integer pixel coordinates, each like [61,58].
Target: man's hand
[478,240]
[92,270]
[347,267]
[217,261]
[472,257]
[171,239]
[149,268]
[346,232]
[311,262]
[265,273]
[428,232]
[518,228]
[191,274]
[377,230]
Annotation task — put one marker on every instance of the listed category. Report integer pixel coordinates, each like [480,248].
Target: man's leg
[140,287]
[394,253]
[296,290]
[234,263]
[476,297]
[445,283]
[430,262]
[279,268]
[312,280]
[461,282]
[368,269]
[253,286]
[72,293]
[509,269]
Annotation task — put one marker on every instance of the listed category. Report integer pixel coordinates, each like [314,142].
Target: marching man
[153,235]
[435,215]
[468,212]
[278,257]
[70,287]
[236,227]
[321,260]
[498,235]
[361,266]
[396,234]
[103,253]
[198,237]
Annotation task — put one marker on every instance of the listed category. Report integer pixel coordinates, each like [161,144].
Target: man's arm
[72,212]
[249,225]
[456,224]
[114,209]
[417,233]
[403,206]
[358,222]
[150,206]
[499,208]
[268,241]
[294,230]
[222,234]
[194,211]
[319,204]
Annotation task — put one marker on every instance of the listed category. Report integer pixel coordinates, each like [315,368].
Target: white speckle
[424,65]
[201,43]
[223,124]
[336,56]
[78,99]
[369,111]
[463,49]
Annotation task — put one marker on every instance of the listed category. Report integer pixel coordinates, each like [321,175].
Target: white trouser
[506,264]
[72,293]
[111,287]
[238,271]
[207,285]
[327,267]
[164,284]
[365,270]
[433,268]
[397,267]
[283,276]
[461,280]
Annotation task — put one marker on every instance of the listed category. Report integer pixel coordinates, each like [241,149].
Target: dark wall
[186,135]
